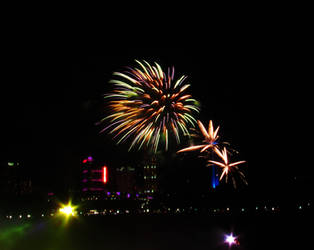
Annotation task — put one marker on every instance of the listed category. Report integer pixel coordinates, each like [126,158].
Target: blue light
[215,179]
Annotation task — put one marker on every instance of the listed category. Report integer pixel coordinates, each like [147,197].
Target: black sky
[256,88]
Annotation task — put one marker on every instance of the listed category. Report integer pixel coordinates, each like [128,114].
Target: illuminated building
[95,177]
[106,188]
[150,177]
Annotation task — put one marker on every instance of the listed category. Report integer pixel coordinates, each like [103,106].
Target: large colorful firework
[148,105]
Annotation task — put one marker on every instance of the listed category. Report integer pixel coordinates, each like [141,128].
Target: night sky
[256,89]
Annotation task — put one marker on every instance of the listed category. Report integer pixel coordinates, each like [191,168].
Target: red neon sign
[105,174]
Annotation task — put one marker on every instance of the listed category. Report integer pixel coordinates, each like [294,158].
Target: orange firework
[227,167]
[210,138]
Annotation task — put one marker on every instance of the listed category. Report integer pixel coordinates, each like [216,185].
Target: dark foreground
[155,232]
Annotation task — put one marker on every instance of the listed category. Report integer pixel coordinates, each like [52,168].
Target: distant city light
[105,179]
[89,158]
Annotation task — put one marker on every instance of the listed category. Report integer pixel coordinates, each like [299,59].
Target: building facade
[150,175]
[94,177]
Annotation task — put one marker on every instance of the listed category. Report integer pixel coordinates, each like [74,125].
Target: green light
[11,164]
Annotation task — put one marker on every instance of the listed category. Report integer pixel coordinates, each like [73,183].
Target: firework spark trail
[149,106]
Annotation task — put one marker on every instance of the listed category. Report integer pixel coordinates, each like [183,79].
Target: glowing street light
[68,210]
[231,240]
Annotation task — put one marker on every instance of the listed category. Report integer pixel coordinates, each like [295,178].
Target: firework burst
[228,168]
[210,138]
[148,105]
[211,147]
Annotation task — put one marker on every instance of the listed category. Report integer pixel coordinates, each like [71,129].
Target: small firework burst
[228,168]
[211,147]
[210,138]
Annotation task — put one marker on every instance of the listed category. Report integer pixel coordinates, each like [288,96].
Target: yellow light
[67,210]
